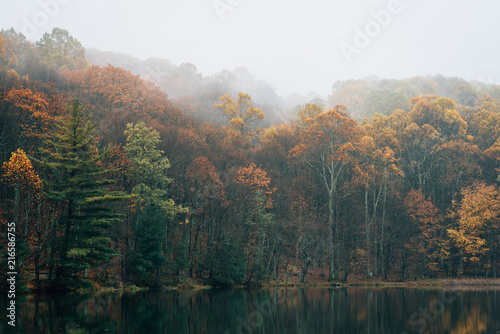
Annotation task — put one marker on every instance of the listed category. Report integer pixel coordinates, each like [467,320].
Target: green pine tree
[228,264]
[150,168]
[75,179]
[147,257]
[154,208]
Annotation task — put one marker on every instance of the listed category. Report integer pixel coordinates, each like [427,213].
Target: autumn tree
[478,226]
[352,97]
[204,190]
[440,113]
[375,169]
[19,175]
[484,127]
[256,194]
[240,114]
[309,111]
[459,163]
[327,147]
[423,235]
[466,95]
[31,114]
[383,171]
[385,102]
[304,228]
[8,60]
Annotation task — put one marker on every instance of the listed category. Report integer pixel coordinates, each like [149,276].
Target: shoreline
[419,283]
[435,283]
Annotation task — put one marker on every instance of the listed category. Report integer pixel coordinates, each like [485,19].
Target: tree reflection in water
[315,310]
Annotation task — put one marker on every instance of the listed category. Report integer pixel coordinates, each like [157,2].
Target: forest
[115,172]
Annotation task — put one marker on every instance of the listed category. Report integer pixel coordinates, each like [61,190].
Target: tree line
[109,182]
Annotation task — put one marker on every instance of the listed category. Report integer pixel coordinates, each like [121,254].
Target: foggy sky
[294,45]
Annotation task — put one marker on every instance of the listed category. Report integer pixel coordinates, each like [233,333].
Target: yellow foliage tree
[241,114]
[478,231]
[7,61]
[19,173]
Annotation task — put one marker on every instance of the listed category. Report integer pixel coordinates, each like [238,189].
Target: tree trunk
[38,246]
[16,206]
[276,268]
[402,274]
[26,216]
[66,239]
[296,258]
[306,263]
[337,243]
[287,261]
[386,259]
[291,271]
[346,270]
[461,264]
[331,275]
[367,233]
[488,266]
[495,265]
[190,258]
[382,235]
[50,250]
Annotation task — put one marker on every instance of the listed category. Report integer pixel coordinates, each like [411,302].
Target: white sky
[294,45]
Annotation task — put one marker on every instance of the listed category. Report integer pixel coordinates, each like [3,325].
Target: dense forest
[116,170]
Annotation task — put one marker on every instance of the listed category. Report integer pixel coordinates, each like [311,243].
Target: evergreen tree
[76,182]
[228,264]
[147,256]
[149,168]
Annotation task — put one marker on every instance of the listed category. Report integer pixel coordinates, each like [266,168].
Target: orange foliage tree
[477,232]
[327,147]
[19,175]
[423,235]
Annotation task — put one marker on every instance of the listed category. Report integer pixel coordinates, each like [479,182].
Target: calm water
[353,310]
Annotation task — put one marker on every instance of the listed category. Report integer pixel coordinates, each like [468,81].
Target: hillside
[115,174]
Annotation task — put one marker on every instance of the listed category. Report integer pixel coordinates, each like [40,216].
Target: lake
[315,310]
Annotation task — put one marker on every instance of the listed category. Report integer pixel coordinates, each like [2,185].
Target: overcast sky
[297,46]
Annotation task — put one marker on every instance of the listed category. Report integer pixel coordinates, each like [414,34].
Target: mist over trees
[191,91]
[362,97]
[116,169]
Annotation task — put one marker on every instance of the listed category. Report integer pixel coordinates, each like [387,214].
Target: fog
[293,45]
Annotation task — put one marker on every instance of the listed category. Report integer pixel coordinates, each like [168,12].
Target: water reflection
[353,310]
